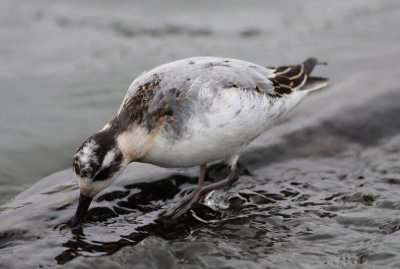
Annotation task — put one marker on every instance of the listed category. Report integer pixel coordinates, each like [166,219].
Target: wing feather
[289,78]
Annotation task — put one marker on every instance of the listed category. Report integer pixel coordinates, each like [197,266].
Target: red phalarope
[187,113]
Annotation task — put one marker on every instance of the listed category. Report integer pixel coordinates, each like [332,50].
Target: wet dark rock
[292,196]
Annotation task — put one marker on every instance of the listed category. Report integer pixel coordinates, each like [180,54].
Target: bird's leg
[173,211]
[201,191]
[226,182]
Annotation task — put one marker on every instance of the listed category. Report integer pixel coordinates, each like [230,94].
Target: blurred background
[66,65]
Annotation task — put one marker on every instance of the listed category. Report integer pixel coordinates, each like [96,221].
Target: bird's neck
[135,142]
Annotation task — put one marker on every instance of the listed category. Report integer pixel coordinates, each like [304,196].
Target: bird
[187,113]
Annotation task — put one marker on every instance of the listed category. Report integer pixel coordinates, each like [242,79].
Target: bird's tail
[290,78]
[313,83]
[309,65]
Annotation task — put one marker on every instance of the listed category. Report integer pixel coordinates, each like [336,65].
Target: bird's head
[96,164]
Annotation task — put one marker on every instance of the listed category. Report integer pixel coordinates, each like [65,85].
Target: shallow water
[318,191]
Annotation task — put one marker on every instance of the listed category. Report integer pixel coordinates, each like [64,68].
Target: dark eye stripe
[107,172]
[103,174]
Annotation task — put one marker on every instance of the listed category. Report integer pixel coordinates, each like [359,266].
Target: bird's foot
[186,203]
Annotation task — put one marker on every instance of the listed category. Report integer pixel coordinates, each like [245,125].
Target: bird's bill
[83,206]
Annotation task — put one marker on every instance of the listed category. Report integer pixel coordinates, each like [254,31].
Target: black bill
[83,206]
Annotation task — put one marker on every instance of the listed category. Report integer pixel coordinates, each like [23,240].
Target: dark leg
[201,190]
[173,211]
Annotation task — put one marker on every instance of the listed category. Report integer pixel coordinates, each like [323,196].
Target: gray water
[320,190]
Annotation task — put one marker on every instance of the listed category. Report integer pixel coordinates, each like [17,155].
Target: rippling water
[318,191]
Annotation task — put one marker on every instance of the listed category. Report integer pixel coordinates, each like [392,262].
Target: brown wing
[287,79]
